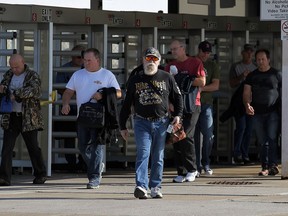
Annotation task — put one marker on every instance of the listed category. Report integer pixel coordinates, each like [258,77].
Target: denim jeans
[242,135]
[205,127]
[266,127]
[150,139]
[91,149]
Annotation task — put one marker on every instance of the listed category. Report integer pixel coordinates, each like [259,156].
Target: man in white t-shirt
[86,83]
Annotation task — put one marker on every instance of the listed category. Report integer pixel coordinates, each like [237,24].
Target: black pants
[30,138]
[184,151]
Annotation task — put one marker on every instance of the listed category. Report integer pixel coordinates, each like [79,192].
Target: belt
[152,119]
[17,113]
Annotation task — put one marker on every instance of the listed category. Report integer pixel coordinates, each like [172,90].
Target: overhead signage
[273,10]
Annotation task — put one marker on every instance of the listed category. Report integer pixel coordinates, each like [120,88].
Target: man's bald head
[17,64]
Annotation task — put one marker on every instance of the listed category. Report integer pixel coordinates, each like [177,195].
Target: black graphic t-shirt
[150,96]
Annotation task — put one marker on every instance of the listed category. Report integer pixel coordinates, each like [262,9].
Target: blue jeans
[150,139]
[205,127]
[266,127]
[91,149]
[242,135]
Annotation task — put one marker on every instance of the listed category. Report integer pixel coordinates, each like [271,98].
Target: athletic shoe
[102,167]
[263,172]
[190,177]
[179,179]
[247,161]
[208,171]
[4,182]
[140,193]
[93,184]
[156,192]
[238,160]
[273,171]
[39,180]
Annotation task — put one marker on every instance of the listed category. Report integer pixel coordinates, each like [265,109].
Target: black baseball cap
[205,46]
[248,47]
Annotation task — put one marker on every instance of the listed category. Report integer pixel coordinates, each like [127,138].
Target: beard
[150,68]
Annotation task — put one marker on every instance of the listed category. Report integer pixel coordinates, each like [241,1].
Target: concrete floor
[232,190]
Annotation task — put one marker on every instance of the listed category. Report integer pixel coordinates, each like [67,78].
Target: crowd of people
[156,100]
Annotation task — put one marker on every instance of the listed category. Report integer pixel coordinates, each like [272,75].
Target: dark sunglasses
[153,58]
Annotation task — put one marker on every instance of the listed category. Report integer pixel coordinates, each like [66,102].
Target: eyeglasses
[151,58]
[175,48]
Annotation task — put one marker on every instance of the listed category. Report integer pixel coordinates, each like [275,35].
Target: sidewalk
[232,190]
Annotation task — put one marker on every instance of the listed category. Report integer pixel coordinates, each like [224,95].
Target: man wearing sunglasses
[184,151]
[149,92]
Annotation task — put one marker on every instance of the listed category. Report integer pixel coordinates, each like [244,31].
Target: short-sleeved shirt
[192,66]
[87,83]
[265,87]
[212,72]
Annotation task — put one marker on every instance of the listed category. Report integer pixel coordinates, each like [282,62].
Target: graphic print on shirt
[147,95]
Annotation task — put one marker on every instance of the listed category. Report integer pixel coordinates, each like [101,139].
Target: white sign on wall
[284,29]
[273,9]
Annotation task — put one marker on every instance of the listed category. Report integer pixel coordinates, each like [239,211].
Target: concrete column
[284,130]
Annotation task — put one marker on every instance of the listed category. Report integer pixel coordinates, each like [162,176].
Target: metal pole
[202,34]
[50,80]
[247,36]
[105,46]
[155,44]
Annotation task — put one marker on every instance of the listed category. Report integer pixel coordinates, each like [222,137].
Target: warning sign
[273,9]
[284,29]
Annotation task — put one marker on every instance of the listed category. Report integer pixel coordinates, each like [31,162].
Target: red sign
[185,24]
[87,20]
[34,17]
[138,23]
[228,27]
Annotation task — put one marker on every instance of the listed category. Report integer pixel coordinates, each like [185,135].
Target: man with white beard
[149,92]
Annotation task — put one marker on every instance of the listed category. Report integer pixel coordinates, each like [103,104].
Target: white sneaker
[209,172]
[156,192]
[179,179]
[190,177]
[102,167]
[140,193]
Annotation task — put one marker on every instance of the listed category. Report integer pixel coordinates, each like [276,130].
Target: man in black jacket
[149,92]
